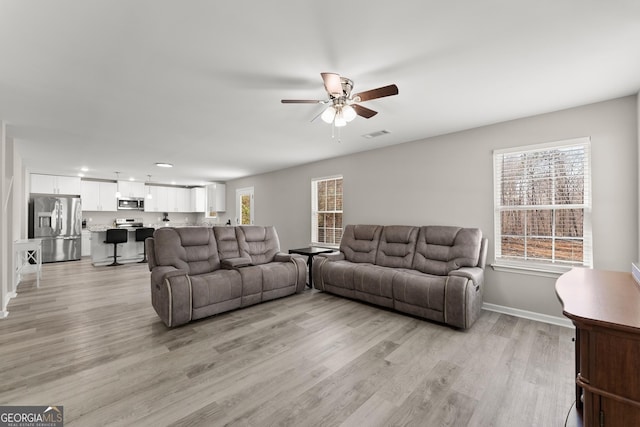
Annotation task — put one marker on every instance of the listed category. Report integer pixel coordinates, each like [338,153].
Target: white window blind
[326,211]
[543,205]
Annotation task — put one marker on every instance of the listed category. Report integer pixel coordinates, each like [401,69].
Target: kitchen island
[102,253]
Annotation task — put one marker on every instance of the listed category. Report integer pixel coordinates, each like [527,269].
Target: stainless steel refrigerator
[57,220]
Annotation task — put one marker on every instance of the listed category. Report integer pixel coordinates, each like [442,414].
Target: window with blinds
[326,211]
[542,199]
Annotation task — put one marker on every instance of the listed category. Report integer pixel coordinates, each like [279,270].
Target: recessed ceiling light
[164,165]
[84,169]
[81,175]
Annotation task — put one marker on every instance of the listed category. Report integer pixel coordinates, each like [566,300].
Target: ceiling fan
[343,104]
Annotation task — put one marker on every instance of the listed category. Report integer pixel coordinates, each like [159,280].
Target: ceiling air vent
[376,134]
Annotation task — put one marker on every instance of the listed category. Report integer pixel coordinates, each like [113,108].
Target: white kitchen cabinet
[99,196]
[86,243]
[198,199]
[151,199]
[172,199]
[183,202]
[151,204]
[216,199]
[168,199]
[158,201]
[178,199]
[163,199]
[55,184]
[131,189]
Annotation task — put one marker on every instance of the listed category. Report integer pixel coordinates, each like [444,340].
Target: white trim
[4,314]
[545,145]
[326,178]
[315,210]
[504,264]
[543,270]
[531,315]
[243,192]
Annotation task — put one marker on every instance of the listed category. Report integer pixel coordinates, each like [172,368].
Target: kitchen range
[129,223]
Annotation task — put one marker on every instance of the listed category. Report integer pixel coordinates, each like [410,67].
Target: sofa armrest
[463,296]
[318,266]
[475,274]
[171,295]
[282,257]
[301,271]
[231,263]
[333,256]
[159,274]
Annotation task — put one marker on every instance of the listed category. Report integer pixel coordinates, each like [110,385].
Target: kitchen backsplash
[96,218]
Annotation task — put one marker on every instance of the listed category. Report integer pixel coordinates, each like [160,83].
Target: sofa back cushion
[227,242]
[360,242]
[441,249]
[397,246]
[192,249]
[259,244]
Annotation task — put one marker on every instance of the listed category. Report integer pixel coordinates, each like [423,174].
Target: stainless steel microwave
[131,204]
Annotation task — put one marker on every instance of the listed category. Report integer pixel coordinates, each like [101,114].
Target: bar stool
[115,236]
[142,234]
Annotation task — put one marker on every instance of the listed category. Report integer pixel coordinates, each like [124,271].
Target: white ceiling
[117,85]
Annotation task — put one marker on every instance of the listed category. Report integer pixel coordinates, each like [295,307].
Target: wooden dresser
[604,306]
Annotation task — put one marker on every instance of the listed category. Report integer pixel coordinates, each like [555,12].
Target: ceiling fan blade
[332,83]
[364,111]
[302,101]
[380,92]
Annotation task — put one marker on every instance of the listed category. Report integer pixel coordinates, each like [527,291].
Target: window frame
[315,211]
[550,268]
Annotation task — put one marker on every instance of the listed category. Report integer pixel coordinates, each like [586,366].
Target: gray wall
[449,180]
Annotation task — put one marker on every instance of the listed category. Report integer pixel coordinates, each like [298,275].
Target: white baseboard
[3,314]
[531,315]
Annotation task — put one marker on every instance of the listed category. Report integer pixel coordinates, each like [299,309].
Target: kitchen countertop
[104,227]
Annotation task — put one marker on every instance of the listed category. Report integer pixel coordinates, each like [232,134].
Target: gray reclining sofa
[201,271]
[434,272]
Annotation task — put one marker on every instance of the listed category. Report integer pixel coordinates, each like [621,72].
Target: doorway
[244,206]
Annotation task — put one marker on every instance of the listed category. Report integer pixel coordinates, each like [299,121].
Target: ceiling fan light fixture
[328,115]
[344,105]
[348,112]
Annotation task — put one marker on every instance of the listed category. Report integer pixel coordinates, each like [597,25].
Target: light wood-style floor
[88,339]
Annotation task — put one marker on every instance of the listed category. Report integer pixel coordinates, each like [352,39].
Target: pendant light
[118,194]
[149,195]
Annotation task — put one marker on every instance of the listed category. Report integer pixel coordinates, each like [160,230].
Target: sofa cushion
[216,287]
[339,274]
[191,249]
[360,243]
[374,284]
[397,246]
[260,244]
[441,249]
[422,290]
[227,242]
